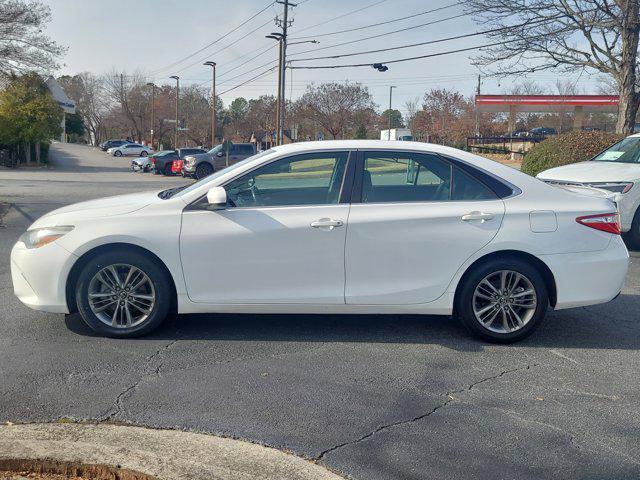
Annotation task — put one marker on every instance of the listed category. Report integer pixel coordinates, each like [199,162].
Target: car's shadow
[615,325]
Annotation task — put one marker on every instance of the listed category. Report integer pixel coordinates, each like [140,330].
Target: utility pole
[177,79]
[153,101]
[477,112]
[390,95]
[285,26]
[278,36]
[213,104]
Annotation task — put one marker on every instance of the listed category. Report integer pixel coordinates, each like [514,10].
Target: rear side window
[417,177]
[246,149]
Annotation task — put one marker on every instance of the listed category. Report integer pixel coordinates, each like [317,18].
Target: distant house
[265,140]
[59,95]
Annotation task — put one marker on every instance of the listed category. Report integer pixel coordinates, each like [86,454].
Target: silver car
[130,149]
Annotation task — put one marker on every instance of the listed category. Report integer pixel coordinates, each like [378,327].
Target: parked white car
[364,227]
[617,169]
[141,164]
[129,149]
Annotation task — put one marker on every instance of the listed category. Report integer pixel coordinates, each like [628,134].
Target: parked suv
[111,143]
[204,164]
[161,164]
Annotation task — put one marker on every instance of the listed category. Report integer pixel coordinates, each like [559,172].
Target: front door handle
[327,223]
[477,216]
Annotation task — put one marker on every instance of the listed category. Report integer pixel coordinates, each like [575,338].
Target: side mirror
[217,198]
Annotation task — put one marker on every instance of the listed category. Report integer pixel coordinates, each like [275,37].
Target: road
[373,397]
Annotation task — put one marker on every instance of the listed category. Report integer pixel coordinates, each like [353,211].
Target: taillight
[153,160]
[606,222]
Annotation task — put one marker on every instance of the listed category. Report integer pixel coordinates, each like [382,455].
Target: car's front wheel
[634,234]
[203,170]
[503,300]
[122,293]
[117,153]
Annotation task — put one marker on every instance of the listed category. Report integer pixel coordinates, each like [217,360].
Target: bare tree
[23,46]
[92,103]
[334,105]
[132,94]
[567,35]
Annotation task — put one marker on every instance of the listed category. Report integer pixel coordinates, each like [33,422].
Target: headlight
[617,187]
[40,237]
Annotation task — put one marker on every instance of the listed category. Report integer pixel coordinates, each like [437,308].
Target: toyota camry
[350,227]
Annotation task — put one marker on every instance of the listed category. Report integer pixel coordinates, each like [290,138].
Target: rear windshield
[625,151]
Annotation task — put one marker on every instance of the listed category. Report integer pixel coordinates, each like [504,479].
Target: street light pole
[177,79]
[390,95]
[213,104]
[153,101]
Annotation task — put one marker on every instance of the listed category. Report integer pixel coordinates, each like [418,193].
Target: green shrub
[565,149]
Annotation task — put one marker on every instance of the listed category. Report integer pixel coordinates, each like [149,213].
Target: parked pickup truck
[204,164]
[162,164]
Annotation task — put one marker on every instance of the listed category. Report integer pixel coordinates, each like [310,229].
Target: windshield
[625,151]
[215,175]
[215,149]
[163,153]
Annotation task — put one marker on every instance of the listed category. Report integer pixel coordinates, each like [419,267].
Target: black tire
[146,168]
[633,235]
[465,299]
[166,171]
[156,274]
[117,153]
[144,153]
[203,170]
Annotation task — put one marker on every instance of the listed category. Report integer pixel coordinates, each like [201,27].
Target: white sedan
[129,149]
[358,227]
[616,169]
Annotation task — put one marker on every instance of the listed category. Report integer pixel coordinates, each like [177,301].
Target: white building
[59,95]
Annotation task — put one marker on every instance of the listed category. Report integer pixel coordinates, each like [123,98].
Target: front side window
[417,177]
[306,179]
[625,151]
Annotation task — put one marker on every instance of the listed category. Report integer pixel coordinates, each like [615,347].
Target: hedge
[565,149]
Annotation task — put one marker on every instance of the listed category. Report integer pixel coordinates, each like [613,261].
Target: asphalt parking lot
[372,397]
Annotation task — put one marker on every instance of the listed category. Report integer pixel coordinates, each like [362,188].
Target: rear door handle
[477,216]
[327,223]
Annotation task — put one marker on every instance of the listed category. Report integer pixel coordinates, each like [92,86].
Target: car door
[281,239]
[420,217]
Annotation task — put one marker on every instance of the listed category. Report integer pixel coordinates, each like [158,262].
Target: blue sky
[150,36]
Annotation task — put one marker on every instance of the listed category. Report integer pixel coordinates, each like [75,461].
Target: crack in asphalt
[117,406]
[450,398]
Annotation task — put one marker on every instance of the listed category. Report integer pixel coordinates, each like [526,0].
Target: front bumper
[188,170]
[589,278]
[39,276]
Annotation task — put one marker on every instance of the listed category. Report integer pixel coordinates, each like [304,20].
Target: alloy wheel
[504,301]
[121,295]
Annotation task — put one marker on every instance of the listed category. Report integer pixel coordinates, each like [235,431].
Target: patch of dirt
[20,469]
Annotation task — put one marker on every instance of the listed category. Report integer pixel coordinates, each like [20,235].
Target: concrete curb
[164,454]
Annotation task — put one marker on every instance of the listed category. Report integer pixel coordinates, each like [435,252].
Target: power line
[449,52]
[250,80]
[349,30]
[429,42]
[214,42]
[343,15]
[225,47]
[433,22]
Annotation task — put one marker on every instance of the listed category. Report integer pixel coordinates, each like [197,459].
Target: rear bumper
[589,278]
[39,276]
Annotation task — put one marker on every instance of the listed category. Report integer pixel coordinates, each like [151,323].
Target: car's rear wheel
[633,236]
[203,170]
[503,300]
[117,153]
[122,293]
[167,170]
[144,153]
